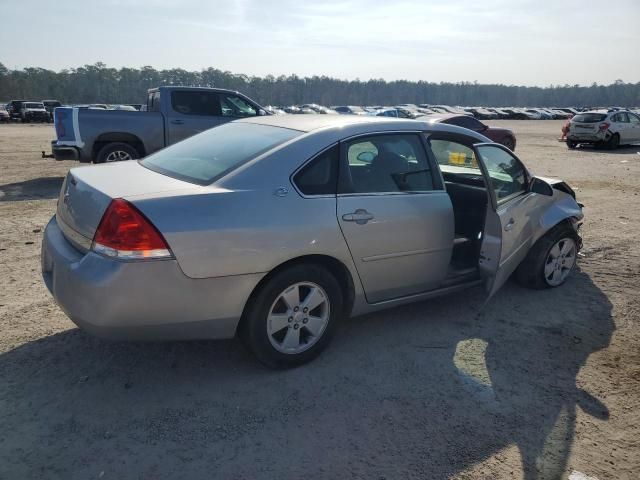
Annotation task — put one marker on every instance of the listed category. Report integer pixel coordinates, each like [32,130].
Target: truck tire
[116,152]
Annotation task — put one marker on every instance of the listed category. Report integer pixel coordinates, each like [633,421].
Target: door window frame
[487,178]
[345,183]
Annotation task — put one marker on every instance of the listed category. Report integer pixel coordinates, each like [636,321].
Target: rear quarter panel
[240,225]
[148,127]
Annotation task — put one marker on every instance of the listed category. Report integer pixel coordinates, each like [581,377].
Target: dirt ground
[532,385]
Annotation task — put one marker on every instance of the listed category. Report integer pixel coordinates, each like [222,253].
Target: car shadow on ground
[422,391]
[43,188]
[621,150]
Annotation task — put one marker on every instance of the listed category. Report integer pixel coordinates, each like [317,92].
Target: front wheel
[571,144]
[551,260]
[293,317]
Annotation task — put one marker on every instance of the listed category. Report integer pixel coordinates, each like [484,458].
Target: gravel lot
[534,384]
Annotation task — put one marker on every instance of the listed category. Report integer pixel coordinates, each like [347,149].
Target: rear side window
[590,117]
[196,102]
[205,157]
[465,121]
[621,117]
[388,163]
[320,176]
[154,102]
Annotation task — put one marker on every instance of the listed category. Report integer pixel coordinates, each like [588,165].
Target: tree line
[101,84]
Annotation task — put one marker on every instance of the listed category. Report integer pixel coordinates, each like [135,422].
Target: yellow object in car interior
[460,158]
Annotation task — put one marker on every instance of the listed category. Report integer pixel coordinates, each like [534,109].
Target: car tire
[117,152]
[278,331]
[613,142]
[547,265]
[571,144]
[510,143]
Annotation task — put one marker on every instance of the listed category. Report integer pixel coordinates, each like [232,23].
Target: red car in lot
[503,136]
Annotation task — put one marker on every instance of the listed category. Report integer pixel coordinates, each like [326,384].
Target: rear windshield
[204,158]
[33,105]
[589,117]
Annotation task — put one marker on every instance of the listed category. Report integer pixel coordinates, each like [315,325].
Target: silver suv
[609,128]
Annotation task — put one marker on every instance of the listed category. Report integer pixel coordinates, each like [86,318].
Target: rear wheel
[613,142]
[510,143]
[293,317]
[116,152]
[551,259]
[571,144]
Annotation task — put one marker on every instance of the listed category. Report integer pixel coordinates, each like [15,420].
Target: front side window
[233,106]
[320,176]
[633,118]
[205,157]
[194,102]
[454,154]
[507,175]
[388,163]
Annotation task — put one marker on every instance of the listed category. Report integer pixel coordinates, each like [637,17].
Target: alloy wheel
[118,156]
[298,318]
[560,261]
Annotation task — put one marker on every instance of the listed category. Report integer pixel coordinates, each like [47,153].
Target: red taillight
[124,232]
[604,126]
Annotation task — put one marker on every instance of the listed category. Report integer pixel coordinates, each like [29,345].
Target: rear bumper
[63,152]
[149,300]
[601,136]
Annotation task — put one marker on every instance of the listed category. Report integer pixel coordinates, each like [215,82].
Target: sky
[513,42]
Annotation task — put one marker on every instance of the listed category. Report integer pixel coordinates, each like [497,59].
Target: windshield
[590,117]
[204,158]
[33,105]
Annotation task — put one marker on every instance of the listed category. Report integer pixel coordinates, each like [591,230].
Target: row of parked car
[30,111]
[410,110]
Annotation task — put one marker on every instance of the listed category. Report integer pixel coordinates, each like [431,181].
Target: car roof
[184,87]
[309,123]
[439,117]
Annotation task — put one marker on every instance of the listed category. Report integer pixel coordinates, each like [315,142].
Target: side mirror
[366,157]
[538,185]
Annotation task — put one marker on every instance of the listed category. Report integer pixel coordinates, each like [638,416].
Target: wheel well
[113,137]
[334,266]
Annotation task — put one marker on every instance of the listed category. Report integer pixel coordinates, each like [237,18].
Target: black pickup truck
[173,114]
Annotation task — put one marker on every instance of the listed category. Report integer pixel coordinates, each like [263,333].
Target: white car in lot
[609,128]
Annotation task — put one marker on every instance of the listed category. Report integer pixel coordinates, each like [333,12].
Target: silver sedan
[276,228]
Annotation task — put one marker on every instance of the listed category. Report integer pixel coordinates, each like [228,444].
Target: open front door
[508,230]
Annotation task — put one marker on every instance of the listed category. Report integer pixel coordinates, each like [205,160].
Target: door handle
[510,224]
[360,216]
[177,122]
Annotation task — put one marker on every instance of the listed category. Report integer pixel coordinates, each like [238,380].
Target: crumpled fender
[564,207]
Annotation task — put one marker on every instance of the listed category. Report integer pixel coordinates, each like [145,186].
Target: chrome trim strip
[378,194]
[386,256]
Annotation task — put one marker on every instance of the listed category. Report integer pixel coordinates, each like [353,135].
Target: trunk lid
[87,192]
